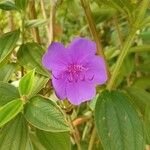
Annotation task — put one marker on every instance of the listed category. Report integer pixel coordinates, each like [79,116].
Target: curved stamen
[90,79]
[57,78]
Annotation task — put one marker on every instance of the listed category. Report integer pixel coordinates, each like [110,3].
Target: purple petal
[78,92]
[56,57]
[59,85]
[96,73]
[81,48]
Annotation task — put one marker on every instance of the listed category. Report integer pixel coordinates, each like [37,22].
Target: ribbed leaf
[7,93]
[30,56]
[45,115]
[26,83]
[9,111]
[14,135]
[6,72]
[21,4]
[60,140]
[7,44]
[39,83]
[118,124]
[7,5]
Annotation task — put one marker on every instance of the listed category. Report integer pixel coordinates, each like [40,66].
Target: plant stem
[92,139]
[120,60]
[34,16]
[52,20]
[92,27]
[127,45]
[74,132]
[45,17]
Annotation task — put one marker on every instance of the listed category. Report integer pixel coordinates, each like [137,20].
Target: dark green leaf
[14,135]
[45,115]
[118,124]
[7,44]
[30,56]
[7,93]
[9,111]
[60,140]
[6,71]
[7,5]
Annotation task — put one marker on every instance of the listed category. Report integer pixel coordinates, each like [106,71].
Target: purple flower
[76,70]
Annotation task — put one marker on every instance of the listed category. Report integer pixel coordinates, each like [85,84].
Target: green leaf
[39,83]
[60,140]
[35,23]
[9,111]
[143,83]
[14,135]
[118,124]
[6,71]
[7,5]
[7,93]
[30,56]
[26,83]
[21,4]
[45,115]
[7,44]
[140,97]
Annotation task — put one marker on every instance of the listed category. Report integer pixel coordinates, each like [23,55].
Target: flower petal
[56,57]
[60,87]
[96,73]
[78,92]
[81,48]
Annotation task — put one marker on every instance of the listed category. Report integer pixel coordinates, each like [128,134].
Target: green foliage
[6,72]
[7,93]
[7,44]
[10,110]
[32,118]
[118,124]
[26,83]
[30,56]
[14,135]
[59,140]
[21,4]
[7,5]
[45,115]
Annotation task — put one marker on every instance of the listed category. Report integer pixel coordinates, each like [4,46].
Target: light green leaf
[45,115]
[9,111]
[35,23]
[60,140]
[6,71]
[118,124]
[26,83]
[30,56]
[7,5]
[39,83]
[7,93]
[14,135]
[7,44]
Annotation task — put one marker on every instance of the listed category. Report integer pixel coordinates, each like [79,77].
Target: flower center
[76,72]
